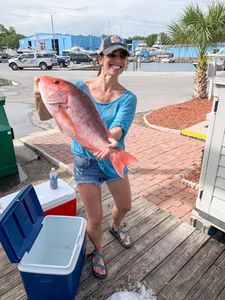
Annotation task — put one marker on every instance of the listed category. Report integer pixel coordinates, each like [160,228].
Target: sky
[126,18]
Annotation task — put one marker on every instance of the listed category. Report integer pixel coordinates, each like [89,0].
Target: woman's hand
[42,111]
[103,154]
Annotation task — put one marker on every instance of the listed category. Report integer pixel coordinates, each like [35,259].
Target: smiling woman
[115,108]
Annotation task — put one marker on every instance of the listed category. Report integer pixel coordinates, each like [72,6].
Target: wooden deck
[171,258]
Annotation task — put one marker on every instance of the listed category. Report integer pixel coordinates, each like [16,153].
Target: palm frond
[199,29]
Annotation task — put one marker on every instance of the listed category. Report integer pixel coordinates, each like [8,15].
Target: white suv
[40,60]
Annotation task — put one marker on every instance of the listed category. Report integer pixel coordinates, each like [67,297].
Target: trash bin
[7,154]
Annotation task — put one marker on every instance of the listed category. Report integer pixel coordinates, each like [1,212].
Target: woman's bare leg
[91,197]
[121,192]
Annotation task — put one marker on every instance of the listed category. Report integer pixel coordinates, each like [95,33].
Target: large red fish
[77,116]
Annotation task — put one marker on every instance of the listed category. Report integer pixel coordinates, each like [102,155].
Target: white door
[27,60]
[211,197]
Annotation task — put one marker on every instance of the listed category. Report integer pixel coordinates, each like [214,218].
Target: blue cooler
[50,250]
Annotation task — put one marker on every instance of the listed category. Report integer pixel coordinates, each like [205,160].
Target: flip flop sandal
[98,255]
[116,234]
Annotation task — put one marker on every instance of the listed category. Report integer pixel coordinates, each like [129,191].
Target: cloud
[124,17]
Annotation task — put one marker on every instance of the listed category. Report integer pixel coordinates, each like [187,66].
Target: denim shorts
[87,170]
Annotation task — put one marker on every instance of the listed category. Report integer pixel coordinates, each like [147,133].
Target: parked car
[78,58]
[63,61]
[4,57]
[44,61]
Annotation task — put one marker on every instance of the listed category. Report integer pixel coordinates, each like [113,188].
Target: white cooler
[49,250]
[61,201]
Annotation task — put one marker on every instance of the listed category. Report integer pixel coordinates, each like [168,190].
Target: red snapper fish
[77,116]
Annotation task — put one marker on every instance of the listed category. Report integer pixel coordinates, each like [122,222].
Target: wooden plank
[182,283]
[211,283]
[17,293]
[138,212]
[132,223]
[137,263]
[175,262]
[9,282]
[113,249]
[89,286]
[221,296]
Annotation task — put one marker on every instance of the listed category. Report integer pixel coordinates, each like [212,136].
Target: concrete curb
[165,129]
[38,133]
[193,134]
[184,132]
[38,150]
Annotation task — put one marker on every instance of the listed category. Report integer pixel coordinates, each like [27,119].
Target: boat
[219,58]
[156,50]
[77,49]
[142,47]
[167,60]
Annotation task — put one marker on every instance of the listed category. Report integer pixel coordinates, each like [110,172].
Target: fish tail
[121,159]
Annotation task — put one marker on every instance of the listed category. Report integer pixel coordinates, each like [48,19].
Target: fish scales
[77,116]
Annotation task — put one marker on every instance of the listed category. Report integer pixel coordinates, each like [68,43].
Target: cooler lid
[50,198]
[20,223]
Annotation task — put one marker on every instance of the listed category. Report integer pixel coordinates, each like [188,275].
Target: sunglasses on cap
[121,53]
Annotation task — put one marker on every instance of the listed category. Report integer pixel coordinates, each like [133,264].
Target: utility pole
[53,33]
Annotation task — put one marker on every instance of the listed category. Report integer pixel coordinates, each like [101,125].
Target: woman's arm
[120,125]
[116,133]
[42,111]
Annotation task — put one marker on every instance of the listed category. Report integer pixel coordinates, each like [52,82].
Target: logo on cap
[116,39]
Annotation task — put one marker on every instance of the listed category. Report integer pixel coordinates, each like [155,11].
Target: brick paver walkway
[163,157]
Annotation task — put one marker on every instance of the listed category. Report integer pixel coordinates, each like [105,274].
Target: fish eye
[56,82]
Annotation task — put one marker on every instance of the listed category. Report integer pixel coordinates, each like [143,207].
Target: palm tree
[199,29]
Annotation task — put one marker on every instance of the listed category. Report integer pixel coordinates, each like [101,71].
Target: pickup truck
[44,61]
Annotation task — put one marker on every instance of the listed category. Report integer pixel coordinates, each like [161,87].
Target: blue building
[59,42]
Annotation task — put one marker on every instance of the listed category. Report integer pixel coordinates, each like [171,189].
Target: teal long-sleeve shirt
[117,113]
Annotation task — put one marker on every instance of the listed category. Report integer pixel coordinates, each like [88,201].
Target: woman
[116,106]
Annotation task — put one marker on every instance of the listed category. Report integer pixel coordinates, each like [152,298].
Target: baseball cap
[111,43]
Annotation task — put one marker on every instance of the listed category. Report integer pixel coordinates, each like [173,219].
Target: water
[181,51]
[5,82]
[163,67]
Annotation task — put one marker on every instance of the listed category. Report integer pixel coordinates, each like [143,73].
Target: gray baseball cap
[111,43]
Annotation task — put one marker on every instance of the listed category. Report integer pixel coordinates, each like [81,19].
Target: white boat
[218,58]
[167,60]
[141,47]
[78,49]
[154,51]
